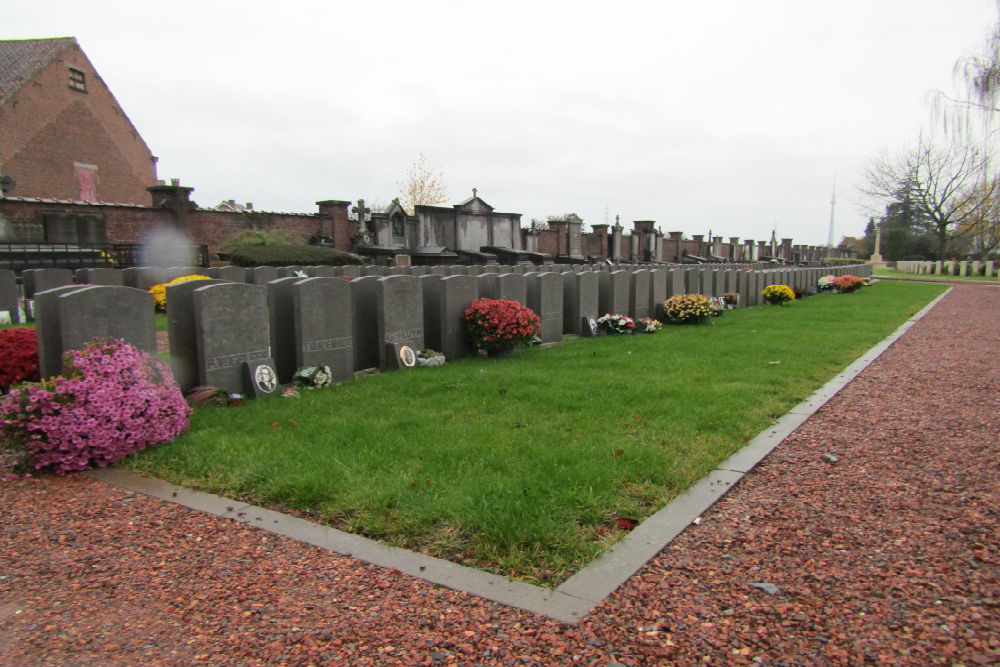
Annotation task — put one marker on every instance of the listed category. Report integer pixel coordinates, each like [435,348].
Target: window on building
[398,230]
[77,80]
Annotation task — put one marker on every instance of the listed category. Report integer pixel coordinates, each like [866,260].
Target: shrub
[18,357]
[825,283]
[112,400]
[848,283]
[778,294]
[286,255]
[688,308]
[616,324]
[159,291]
[497,324]
[271,237]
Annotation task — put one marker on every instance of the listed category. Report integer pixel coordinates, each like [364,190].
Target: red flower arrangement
[848,283]
[18,357]
[496,324]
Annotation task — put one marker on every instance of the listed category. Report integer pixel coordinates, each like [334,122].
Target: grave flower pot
[500,352]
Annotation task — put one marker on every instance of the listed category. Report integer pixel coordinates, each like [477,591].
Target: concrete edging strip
[583,591]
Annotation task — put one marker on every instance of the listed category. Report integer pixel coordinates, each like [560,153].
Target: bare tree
[951,185]
[423,185]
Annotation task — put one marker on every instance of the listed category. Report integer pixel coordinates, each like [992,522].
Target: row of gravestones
[38,280]
[225,334]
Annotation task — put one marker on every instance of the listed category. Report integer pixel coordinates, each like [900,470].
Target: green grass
[521,465]
[901,274]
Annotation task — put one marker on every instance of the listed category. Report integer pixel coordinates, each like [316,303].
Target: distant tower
[833,204]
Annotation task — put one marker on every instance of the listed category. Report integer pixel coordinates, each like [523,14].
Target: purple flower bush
[112,400]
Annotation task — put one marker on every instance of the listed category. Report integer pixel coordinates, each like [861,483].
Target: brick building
[62,133]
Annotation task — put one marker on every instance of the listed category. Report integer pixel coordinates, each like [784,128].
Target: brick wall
[46,127]
[133,224]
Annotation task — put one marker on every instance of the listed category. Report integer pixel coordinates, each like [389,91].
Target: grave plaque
[260,378]
[231,329]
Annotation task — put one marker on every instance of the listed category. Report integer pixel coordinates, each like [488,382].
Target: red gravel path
[889,556]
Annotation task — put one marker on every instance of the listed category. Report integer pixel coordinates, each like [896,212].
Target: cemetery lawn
[522,465]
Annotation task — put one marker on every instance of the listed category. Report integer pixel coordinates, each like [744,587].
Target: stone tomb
[71,317]
[231,331]
[400,317]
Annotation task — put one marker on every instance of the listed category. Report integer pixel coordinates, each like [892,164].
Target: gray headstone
[261,275]
[144,277]
[49,330]
[657,292]
[100,276]
[455,295]
[692,280]
[10,295]
[281,325]
[545,297]
[107,311]
[400,313]
[231,328]
[676,283]
[39,280]
[613,289]
[348,271]
[323,325]
[638,294]
[292,271]
[430,287]
[322,271]
[181,331]
[579,301]
[234,274]
[364,291]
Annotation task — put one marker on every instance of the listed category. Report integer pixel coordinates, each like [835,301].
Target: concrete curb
[579,594]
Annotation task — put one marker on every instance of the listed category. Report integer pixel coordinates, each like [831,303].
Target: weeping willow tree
[975,106]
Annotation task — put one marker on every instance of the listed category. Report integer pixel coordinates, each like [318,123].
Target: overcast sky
[733,116]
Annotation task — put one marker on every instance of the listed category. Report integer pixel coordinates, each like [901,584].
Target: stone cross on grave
[365,234]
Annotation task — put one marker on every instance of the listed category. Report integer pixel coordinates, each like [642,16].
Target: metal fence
[20,256]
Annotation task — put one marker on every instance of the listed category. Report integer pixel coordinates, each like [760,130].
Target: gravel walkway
[887,556]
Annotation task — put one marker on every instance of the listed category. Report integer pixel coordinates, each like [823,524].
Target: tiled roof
[21,59]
